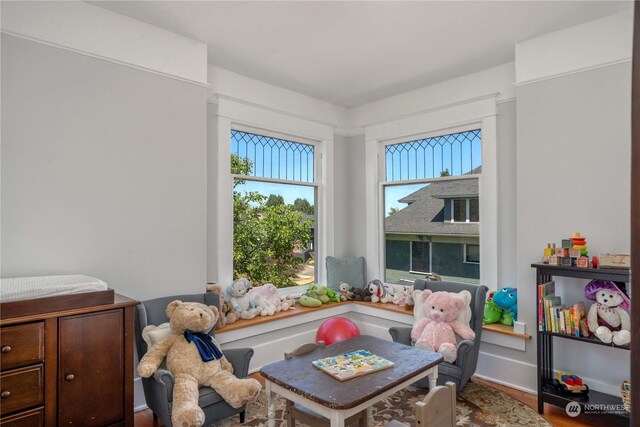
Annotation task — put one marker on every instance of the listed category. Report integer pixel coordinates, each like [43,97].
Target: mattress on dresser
[24,296]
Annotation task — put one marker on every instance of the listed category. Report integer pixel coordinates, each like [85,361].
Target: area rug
[477,405]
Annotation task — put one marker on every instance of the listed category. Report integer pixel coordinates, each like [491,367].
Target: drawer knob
[6,394]
[69,377]
[6,349]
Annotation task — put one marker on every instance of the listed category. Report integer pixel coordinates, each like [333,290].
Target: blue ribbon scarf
[207,349]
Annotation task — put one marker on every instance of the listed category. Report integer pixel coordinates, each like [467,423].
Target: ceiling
[350,53]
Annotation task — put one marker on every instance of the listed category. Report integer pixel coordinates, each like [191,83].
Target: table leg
[433,377]
[271,406]
[370,415]
[337,419]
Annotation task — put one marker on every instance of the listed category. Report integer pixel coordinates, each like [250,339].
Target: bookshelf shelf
[546,391]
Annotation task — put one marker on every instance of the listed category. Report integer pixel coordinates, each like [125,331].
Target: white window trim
[475,114]
[232,114]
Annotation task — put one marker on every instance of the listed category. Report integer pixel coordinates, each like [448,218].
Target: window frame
[226,113]
[477,113]
[314,184]
[467,210]
[464,258]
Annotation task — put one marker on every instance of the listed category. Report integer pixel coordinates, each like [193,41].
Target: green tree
[264,236]
[303,205]
[275,199]
[445,172]
[392,211]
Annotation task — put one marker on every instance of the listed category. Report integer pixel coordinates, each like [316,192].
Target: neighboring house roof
[425,212]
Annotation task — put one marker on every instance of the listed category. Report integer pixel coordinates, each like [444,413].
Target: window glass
[472,254]
[428,222]
[274,229]
[474,210]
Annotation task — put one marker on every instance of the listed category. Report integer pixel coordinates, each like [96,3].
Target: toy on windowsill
[315,296]
[269,292]
[345,292]
[244,306]
[400,294]
[379,292]
[360,294]
[501,306]
[567,383]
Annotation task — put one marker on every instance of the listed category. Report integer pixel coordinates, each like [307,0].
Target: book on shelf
[558,318]
[544,290]
[352,364]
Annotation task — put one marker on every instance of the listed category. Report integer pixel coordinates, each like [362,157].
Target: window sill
[300,310]
[499,328]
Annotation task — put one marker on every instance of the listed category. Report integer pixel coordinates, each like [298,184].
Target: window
[465,210]
[431,217]
[472,254]
[274,209]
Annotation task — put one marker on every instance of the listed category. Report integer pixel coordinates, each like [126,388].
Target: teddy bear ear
[426,294]
[172,306]
[215,310]
[459,303]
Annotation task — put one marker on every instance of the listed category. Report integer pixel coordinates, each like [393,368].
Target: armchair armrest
[464,347]
[401,334]
[165,379]
[239,359]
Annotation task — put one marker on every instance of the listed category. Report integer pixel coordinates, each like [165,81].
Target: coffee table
[297,380]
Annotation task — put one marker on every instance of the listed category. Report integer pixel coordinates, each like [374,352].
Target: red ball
[336,329]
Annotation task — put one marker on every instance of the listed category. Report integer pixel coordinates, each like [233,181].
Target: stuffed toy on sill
[194,358]
[501,306]
[244,306]
[227,315]
[379,292]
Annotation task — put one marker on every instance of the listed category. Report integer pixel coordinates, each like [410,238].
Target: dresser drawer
[21,388]
[21,345]
[30,418]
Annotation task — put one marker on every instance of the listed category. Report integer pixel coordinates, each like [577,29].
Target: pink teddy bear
[436,331]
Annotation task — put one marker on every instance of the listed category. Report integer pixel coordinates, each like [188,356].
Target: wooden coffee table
[297,380]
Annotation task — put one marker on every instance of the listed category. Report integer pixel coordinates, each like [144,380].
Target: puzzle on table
[352,364]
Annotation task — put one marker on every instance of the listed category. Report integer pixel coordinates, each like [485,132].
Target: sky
[392,193]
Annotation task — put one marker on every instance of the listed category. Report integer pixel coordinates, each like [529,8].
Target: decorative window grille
[446,155]
[274,158]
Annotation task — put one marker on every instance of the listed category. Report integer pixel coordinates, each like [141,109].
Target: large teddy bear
[608,318]
[195,359]
[436,331]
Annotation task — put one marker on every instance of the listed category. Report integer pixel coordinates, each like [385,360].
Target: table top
[301,377]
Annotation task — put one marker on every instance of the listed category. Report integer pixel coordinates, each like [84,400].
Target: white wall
[103,171]
[98,32]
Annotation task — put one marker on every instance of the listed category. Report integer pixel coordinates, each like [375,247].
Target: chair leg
[242,417]
[291,422]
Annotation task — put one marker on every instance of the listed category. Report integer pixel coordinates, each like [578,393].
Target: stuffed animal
[194,358]
[227,315]
[505,300]
[608,318]
[244,306]
[263,305]
[437,330]
[270,293]
[492,313]
[379,292]
[315,296]
[360,294]
[400,295]
[345,292]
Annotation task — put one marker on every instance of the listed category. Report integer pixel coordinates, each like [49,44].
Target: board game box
[352,364]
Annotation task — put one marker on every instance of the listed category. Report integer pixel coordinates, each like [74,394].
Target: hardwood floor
[554,415]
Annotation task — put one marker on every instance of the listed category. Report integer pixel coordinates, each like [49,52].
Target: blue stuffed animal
[507,300]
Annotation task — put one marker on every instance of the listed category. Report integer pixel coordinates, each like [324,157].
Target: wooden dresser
[72,367]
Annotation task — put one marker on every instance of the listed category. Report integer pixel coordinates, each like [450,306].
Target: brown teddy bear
[194,359]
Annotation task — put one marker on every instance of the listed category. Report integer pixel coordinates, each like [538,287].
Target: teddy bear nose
[200,314]
[605,300]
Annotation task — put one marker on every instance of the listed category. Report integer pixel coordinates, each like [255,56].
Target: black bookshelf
[546,391]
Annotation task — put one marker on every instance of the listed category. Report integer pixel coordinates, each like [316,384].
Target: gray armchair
[158,389]
[463,368]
